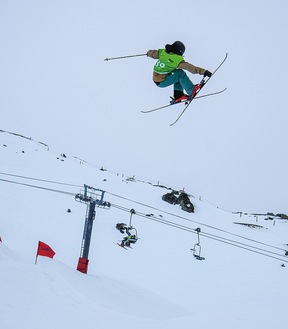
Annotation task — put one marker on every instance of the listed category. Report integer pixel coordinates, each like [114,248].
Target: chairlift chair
[196,251]
[132,234]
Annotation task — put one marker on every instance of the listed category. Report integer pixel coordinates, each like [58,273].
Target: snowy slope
[158,284]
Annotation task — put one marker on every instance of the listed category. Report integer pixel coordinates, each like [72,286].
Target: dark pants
[180,80]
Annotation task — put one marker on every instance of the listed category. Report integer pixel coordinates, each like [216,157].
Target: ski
[118,244]
[185,102]
[202,84]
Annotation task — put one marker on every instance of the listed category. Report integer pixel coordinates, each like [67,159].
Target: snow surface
[158,284]
[59,96]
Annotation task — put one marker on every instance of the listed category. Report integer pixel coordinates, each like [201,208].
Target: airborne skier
[168,71]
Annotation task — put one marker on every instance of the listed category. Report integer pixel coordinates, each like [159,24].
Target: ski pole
[121,57]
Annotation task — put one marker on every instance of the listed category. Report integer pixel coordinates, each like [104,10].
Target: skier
[130,238]
[122,227]
[168,71]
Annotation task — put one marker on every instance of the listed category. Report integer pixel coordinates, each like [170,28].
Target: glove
[207,74]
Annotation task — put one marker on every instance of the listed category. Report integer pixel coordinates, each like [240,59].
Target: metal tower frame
[93,198]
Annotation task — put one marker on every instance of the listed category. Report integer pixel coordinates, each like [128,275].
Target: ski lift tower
[93,198]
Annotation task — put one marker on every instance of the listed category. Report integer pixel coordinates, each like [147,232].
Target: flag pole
[37,253]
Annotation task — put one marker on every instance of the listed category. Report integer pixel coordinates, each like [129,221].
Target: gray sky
[231,149]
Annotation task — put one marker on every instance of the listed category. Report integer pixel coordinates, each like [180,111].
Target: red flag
[45,250]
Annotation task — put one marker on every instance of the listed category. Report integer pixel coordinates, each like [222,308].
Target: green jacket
[182,64]
[167,62]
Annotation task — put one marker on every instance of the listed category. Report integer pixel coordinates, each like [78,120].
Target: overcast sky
[231,148]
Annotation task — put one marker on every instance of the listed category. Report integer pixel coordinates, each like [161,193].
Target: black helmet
[177,47]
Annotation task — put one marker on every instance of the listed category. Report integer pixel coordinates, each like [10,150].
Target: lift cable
[40,180]
[196,222]
[182,227]
[136,202]
[38,187]
[257,250]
